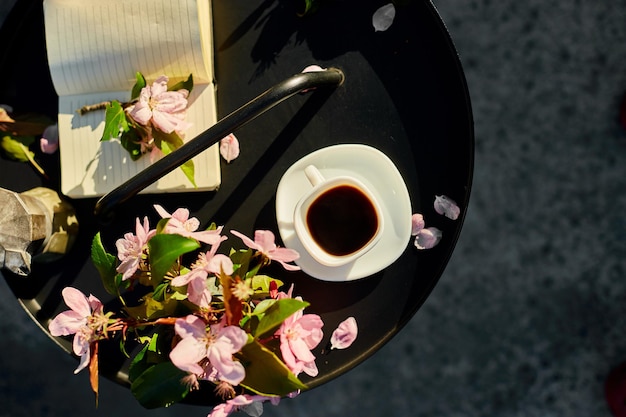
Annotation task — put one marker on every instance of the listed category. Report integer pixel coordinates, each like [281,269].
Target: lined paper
[95,47]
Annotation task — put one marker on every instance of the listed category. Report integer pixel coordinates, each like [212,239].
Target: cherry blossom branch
[93,107]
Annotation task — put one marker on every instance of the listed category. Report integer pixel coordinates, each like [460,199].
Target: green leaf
[130,141]
[250,322]
[168,143]
[156,309]
[274,316]
[160,386]
[173,139]
[154,306]
[16,147]
[262,307]
[105,263]
[261,283]
[165,249]
[187,84]
[187,168]
[140,83]
[114,121]
[178,294]
[122,284]
[155,350]
[139,364]
[190,172]
[241,260]
[309,7]
[160,227]
[138,312]
[160,291]
[266,374]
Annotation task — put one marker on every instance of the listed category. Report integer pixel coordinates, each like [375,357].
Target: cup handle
[313,175]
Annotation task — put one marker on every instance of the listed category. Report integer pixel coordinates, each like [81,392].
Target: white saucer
[380,175]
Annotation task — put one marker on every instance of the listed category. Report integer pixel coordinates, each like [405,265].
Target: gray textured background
[528,318]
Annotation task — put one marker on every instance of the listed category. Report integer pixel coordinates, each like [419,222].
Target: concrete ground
[528,318]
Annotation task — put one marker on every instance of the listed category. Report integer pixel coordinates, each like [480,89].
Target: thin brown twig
[93,107]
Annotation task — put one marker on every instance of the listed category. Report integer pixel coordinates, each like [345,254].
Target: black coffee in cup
[342,220]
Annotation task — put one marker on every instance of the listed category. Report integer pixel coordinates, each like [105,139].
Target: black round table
[404,93]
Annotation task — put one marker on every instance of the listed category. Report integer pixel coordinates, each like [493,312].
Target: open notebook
[95,47]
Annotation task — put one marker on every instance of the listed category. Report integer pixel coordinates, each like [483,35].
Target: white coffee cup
[338,220]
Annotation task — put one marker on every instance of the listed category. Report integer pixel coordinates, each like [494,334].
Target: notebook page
[99,45]
[95,47]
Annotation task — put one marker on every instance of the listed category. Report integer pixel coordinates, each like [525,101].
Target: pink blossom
[298,334]
[229,147]
[49,142]
[345,334]
[165,109]
[241,402]
[207,263]
[264,243]
[180,223]
[217,343]
[446,206]
[130,248]
[85,320]
[427,238]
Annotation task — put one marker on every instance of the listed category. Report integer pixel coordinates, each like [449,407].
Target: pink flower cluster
[208,344]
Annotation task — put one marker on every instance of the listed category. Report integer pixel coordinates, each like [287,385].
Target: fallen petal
[417,223]
[229,147]
[428,238]
[446,206]
[345,334]
[383,17]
